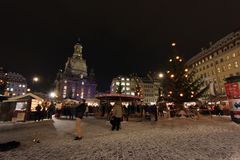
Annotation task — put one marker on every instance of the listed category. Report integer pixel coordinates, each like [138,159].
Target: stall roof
[17,98]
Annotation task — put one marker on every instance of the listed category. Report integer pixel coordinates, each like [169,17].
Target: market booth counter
[232,87]
[20,108]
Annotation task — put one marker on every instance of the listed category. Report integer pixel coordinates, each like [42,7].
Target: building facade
[145,87]
[74,82]
[219,61]
[15,83]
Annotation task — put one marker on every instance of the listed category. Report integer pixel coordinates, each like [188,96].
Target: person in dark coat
[80,109]
[50,111]
[38,112]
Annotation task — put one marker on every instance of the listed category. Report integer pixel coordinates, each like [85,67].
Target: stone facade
[74,82]
[219,61]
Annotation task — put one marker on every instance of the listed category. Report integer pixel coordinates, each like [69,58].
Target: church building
[74,81]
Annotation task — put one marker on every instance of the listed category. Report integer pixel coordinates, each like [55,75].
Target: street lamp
[35,79]
[52,95]
[160,75]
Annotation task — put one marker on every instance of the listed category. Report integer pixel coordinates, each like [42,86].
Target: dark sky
[118,37]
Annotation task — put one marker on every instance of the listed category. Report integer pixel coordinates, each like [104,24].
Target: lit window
[123,83]
[229,66]
[7,89]
[82,83]
[23,93]
[132,93]
[20,85]
[234,55]
[236,64]
[210,57]
[123,79]
[127,88]
[11,89]
[202,60]
[23,86]
[128,79]
[199,62]
[227,57]
[65,87]
[65,81]
[117,83]
[219,70]
[128,84]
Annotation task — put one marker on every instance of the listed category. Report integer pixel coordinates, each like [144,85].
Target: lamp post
[35,81]
[160,93]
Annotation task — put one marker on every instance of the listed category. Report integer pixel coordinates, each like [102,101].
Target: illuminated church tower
[74,81]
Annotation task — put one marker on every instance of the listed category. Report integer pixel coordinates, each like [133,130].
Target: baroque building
[219,61]
[74,81]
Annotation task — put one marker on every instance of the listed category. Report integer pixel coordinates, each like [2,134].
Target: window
[221,60]
[203,67]
[216,62]
[236,64]
[227,57]
[211,64]
[224,68]
[229,66]
[207,66]
[202,60]
[234,55]
[210,57]
[219,70]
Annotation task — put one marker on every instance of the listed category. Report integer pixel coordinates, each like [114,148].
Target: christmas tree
[180,84]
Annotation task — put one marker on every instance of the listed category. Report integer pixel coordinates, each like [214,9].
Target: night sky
[118,37]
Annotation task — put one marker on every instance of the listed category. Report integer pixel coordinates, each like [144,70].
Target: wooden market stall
[20,108]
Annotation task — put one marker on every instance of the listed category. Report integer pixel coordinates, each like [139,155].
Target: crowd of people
[43,112]
[115,113]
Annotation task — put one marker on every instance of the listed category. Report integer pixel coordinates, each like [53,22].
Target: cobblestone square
[179,139]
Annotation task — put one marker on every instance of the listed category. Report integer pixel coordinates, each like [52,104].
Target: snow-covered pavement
[177,139]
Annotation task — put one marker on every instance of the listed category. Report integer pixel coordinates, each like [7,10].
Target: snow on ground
[177,139]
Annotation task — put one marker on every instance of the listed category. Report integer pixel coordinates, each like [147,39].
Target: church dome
[76,65]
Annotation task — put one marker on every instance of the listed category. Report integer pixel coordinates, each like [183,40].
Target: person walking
[80,109]
[117,115]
